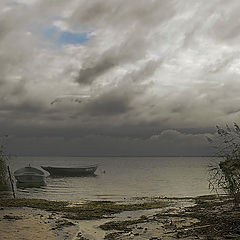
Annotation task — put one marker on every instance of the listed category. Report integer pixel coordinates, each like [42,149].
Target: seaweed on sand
[123,225]
[87,211]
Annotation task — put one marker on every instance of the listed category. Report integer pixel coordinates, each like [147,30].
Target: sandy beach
[29,223]
[205,217]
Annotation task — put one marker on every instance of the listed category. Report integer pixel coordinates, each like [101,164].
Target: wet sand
[29,224]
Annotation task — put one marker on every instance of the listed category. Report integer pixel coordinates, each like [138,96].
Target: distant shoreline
[109,156]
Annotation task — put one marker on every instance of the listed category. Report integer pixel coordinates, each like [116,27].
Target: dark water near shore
[124,178]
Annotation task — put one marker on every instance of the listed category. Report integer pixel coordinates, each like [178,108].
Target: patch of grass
[177,198]
[219,214]
[96,210]
[122,225]
[207,197]
[210,201]
[112,236]
[35,203]
[86,211]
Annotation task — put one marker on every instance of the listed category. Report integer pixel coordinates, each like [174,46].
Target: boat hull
[71,172]
[27,178]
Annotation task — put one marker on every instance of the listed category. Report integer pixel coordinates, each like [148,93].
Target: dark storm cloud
[168,143]
[88,75]
[110,104]
[21,109]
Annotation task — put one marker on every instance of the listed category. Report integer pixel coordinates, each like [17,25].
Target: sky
[143,77]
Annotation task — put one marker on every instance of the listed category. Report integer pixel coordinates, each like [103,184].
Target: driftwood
[197,227]
[187,229]
[11,181]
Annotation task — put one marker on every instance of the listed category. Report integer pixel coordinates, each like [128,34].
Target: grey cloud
[119,15]
[125,53]
[132,23]
[119,99]
[150,66]
[227,26]
[146,71]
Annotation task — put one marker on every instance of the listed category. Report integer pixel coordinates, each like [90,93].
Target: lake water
[120,178]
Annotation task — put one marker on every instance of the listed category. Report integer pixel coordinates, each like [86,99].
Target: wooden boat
[29,175]
[71,171]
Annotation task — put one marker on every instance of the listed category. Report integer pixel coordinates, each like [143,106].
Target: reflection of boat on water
[71,171]
[29,176]
[30,184]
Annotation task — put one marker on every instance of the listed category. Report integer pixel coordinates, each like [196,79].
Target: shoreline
[155,218]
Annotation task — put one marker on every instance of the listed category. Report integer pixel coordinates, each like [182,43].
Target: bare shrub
[225,175]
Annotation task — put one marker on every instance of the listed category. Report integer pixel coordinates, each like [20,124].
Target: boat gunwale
[28,171]
[70,168]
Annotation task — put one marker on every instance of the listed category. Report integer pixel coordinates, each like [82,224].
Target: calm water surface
[124,178]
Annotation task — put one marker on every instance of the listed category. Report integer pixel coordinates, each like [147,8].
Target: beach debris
[60,223]
[80,236]
[88,211]
[154,238]
[112,236]
[232,236]
[10,217]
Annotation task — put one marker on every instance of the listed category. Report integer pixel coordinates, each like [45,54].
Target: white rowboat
[29,175]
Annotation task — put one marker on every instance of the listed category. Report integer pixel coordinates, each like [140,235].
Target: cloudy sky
[139,77]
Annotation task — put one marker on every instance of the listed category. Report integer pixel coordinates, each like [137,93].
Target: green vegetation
[87,211]
[35,203]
